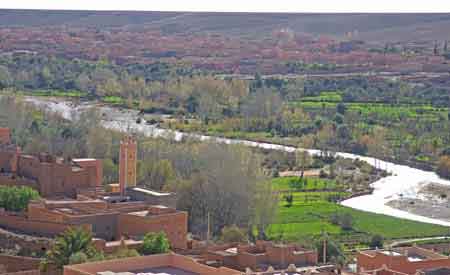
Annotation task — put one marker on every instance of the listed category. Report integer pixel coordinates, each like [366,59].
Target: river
[404,181]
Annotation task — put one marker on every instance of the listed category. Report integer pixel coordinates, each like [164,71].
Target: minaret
[127,164]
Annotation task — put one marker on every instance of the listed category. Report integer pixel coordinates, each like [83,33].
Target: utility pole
[324,248]
[208,232]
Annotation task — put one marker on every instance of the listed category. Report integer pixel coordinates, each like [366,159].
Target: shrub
[78,258]
[289,200]
[155,243]
[346,221]
[232,234]
[16,198]
[376,241]
[443,168]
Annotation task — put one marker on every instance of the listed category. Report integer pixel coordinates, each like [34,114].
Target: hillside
[368,26]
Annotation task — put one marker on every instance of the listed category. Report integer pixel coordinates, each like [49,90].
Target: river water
[404,181]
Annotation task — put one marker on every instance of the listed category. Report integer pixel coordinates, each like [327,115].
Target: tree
[75,245]
[346,221]
[226,184]
[443,168]
[16,198]
[289,200]
[155,243]
[232,234]
[264,208]
[376,241]
[341,108]
[156,175]
[303,160]
[5,77]
[333,249]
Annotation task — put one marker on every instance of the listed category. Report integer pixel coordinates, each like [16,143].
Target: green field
[395,112]
[324,97]
[113,99]
[292,183]
[310,215]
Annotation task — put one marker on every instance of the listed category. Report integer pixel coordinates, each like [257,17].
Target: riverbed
[404,181]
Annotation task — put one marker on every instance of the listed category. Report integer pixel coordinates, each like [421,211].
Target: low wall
[32,227]
[443,248]
[24,244]
[15,264]
[25,272]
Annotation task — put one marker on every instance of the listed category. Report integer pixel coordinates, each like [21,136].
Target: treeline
[390,119]
[101,78]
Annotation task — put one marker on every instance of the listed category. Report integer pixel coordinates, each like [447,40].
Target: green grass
[113,100]
[291,183]
[324,97]
[389,112]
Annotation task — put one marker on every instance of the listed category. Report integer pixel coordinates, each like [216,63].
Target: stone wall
[24,244]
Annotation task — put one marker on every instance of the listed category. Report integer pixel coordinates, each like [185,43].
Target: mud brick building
[400,261]
[175,264]
[154,264]
[51,176]
[259,256]
[108,221]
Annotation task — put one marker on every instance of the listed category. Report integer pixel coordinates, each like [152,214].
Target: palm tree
[75,240]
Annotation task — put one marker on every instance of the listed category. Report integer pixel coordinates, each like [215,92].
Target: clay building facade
[405,260]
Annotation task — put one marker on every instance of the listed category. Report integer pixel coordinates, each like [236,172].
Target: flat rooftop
[412,254]
[158,264]
[164,270]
